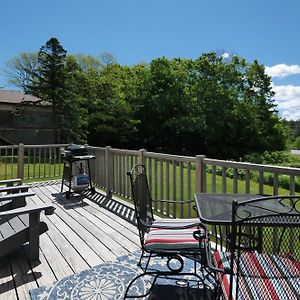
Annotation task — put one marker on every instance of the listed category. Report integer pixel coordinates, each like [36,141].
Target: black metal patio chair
[263,261]
[171,240]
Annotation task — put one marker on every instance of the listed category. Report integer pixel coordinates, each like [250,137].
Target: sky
[136,31]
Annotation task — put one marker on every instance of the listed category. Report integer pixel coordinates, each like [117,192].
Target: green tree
[49,84]
[110,115]
[221,108]
[297,142]
[74,104]
[20,69]
[293,133]
[163,104]
[108,58]
[88,62]
[259,95]
[215,94]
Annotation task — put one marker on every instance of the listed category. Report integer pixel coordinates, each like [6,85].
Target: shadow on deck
[84,231]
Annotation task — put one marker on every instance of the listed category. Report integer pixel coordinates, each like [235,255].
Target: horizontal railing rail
[170,177]
[244,175]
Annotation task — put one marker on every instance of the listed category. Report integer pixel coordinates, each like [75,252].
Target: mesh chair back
[265,252]
[141,197]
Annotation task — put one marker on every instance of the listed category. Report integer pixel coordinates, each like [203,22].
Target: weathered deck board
[81,234]
[78,236]
[99,229]
[24,278]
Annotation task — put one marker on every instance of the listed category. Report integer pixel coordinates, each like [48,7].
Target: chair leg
[139,264]
[136,278]
[156,275]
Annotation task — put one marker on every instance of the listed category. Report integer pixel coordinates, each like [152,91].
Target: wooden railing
[250,171]
[179,177]
[31,162]
[170,176]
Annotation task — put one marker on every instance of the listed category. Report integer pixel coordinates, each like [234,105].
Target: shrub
[282,158]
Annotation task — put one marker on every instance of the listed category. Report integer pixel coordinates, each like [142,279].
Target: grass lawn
[177,186]
[162,186]
[32,172]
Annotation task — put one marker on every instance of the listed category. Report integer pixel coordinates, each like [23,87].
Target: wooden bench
[13,196]
[11,182]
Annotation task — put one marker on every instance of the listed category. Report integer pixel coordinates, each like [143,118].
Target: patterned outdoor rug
[109,281]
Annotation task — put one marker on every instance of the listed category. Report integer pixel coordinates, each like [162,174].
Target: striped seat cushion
[172,239]
[261,276]
[176,222]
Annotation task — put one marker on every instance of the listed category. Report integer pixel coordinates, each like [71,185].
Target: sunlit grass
[32,172]
[184,187]
[178,186]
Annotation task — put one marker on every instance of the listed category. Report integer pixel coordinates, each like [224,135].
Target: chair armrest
[16,195]
[48,208]
[9,182]
[210,264]
[15,188]
[175,201]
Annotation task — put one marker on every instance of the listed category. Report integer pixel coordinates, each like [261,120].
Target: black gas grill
[76,170]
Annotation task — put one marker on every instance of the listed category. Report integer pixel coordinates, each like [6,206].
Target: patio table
[263,234]
[216,209]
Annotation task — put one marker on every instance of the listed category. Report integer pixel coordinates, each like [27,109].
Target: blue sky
[137,31]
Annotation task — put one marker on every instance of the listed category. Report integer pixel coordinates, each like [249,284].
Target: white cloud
[292,114]
[282,70]
[288,99]
[225,55]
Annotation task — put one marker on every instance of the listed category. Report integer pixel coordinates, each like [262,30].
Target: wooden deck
[83,232]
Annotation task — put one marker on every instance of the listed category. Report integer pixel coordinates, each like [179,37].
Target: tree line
[293,140]
[212,105]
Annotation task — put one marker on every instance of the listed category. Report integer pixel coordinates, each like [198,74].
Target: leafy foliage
[21,68]
[293,134]
[50,82]
[223,108]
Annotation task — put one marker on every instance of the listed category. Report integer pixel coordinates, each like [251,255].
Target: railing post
[199,170]
[142,159]
[20,161]
[108,171]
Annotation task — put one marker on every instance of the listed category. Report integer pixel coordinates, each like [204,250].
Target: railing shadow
[117,206]
[17,262]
